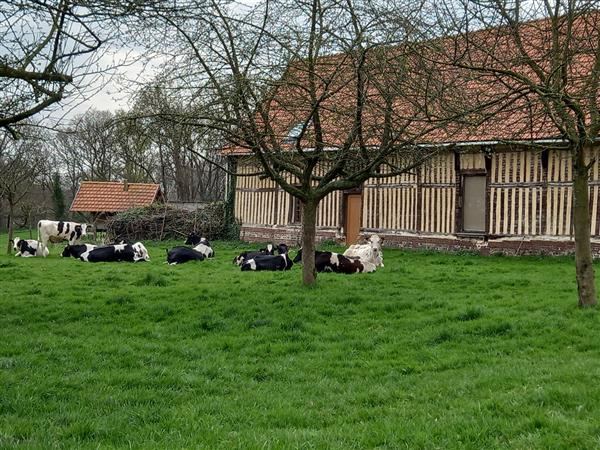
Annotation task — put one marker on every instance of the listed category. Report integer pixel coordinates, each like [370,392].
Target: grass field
[432,351]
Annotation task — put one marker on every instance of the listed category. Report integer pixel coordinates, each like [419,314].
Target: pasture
[432,351]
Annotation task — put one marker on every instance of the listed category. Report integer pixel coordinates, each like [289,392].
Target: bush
[159,222]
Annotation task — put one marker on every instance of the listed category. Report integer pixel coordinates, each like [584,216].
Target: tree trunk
[232,229]
[309,231]
[584,268]
[11,209]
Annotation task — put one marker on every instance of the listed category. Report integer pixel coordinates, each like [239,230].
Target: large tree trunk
[586,285]
[309,231]
[233,231]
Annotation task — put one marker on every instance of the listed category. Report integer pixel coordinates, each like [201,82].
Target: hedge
[160,221]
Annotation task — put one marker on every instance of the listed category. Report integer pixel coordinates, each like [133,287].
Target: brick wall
[553,246]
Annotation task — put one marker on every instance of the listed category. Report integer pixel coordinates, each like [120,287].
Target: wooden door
[353,214]
[474,203]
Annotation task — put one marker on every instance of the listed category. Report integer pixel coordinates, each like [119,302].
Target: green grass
[432,351]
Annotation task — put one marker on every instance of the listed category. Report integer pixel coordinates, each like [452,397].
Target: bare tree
[88,151]
[321,93]
[133,146]
[176,144]
[537,64]
[59,51]
[21,162]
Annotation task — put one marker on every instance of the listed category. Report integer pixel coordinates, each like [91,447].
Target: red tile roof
[110,196]
[511,116]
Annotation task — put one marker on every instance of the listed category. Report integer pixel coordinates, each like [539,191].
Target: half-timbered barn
[502,186]
[479,196]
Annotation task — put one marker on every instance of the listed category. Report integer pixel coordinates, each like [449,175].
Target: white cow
[57,231]
[370,252]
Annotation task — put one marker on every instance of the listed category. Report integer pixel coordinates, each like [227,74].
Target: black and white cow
[200,244]
[77,250]
[180,255]
[269,262]
[58,231]
[28,248]
[118,252]
[193,239]
[249,254]
[205,248]
[335,262]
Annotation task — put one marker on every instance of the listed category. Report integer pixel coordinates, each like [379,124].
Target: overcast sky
[113,89]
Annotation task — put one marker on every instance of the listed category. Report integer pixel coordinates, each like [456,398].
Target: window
[294,133]
[296,210]
[474,199]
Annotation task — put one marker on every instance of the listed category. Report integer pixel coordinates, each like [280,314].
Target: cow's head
[268,250]
[282,249]
[139,252]
[15,243]
[193,239]
[204,241]
[375,241]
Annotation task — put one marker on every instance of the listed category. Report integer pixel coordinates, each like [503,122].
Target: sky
[114,89]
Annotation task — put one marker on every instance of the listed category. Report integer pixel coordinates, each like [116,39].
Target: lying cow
[28,248]
[268,262]
[58,231]
[77,250]
[205,248]
[370,252]
[193,239]
[249,254]
[118,252]
[334,262]
[180,255]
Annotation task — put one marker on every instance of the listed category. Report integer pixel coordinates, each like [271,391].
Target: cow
[118,252]
[370,252]
[77,250]
[268,262]
[205,248]
[180,255]
[249,254]
[58,231]
[334,262]
[28,248]
[193,239]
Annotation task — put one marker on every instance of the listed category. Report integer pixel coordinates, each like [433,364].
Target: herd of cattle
[357,258]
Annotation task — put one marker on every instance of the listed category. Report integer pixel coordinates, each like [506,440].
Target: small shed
[105,198]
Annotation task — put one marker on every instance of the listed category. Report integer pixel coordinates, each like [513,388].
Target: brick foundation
[287,235]
[514,246]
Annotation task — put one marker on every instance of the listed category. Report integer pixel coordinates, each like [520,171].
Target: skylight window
[294,133]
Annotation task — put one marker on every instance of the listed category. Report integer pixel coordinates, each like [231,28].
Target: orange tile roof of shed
[110,196]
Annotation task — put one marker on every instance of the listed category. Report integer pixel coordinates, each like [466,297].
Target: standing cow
[58,231]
